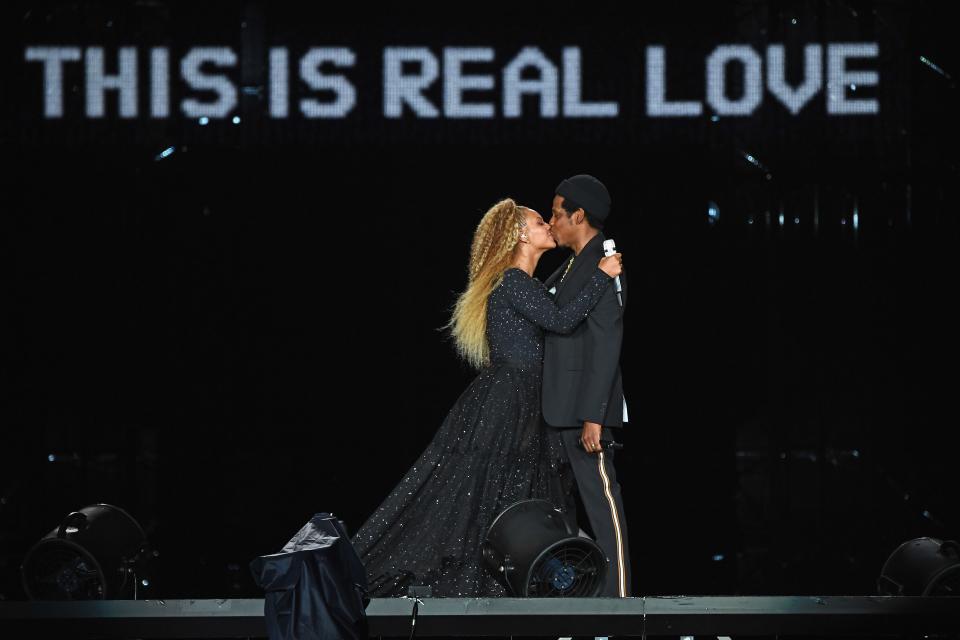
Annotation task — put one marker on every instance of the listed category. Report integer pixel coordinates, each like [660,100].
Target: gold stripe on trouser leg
[621,570]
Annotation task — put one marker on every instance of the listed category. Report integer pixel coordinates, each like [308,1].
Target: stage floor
[807,616]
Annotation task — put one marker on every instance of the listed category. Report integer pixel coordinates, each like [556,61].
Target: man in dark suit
[582,389]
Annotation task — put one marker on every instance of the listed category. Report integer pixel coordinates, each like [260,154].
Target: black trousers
[596,482]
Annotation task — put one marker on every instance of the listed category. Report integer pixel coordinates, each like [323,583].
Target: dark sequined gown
[489,452]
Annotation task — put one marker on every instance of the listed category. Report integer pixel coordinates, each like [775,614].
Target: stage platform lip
[472,617]
[801,615]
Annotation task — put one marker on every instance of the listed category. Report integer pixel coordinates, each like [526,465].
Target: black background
[229,339]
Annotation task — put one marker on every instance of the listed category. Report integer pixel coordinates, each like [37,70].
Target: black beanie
[589,193]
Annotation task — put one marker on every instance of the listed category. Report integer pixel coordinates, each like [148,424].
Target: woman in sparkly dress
[491,450]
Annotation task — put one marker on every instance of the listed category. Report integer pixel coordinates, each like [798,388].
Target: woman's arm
[533,302]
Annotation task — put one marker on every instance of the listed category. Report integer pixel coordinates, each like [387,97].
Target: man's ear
[581,215]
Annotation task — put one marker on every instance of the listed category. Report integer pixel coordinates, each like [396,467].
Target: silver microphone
[610,248]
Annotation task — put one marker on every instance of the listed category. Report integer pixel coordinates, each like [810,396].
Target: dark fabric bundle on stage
[316,586]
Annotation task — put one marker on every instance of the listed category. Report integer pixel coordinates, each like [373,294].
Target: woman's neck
[527,262]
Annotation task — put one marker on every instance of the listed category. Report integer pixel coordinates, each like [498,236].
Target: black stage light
[95,554]
[534,552]
[922,567]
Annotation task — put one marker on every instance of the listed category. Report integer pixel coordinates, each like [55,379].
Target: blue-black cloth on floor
[316,586]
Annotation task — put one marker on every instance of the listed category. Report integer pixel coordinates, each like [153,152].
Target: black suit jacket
[581,370]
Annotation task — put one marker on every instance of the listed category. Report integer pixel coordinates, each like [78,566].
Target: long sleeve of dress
[531,300]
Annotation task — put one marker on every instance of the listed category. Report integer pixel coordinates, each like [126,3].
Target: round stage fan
[922,567]
[534,552]
[91,556]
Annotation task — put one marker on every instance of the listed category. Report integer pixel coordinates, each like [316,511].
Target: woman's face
[537,231]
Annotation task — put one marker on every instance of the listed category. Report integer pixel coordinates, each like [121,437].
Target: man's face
[561,224]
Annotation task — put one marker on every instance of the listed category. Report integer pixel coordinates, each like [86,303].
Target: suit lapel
[579,273]
[556,275]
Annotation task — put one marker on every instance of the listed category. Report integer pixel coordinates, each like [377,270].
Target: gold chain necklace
[569,264]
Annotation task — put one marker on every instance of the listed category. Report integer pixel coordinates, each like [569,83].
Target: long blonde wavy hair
[491,254]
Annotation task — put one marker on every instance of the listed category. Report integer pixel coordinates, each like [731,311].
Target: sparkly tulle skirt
[490,451]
